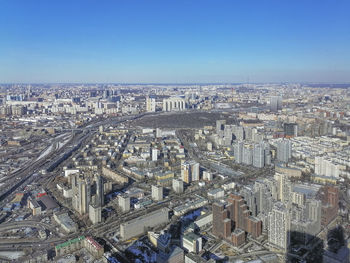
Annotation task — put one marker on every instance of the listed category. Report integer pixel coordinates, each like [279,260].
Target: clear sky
[174,41]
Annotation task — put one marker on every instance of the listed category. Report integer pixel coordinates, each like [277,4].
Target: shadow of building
[312,249]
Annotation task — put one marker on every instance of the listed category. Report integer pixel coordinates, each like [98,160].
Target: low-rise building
[192,242]
[64,220]
[216,193]
[139,226]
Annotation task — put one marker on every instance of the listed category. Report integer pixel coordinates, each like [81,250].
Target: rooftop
[70,242]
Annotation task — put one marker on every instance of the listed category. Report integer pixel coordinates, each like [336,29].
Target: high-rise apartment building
[247,155]
[81,196]
[178,186]
[99,190]
[220,127]
[150,104]
[238,152]
[275,103]
[155,154]
[258,156]
[124,202]
[174,104]
[192,242]
[235,215]
[284,187]
[279,226]
[284,150]
[290,130]
[88,195]
[330,204]
[190,171]
[95,213]
[326,167]
[157,192]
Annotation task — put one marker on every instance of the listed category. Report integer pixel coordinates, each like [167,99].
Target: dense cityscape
[175,173]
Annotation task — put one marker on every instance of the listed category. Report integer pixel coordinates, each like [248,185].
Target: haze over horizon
[174,42]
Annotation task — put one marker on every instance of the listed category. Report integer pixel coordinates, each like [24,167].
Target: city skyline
[187,42]
[175,173]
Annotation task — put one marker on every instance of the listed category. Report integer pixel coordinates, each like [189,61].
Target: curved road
[21,224]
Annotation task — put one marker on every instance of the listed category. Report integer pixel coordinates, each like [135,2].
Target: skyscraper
[99,190]
[220,127]
[186,172]
[275,103]
[238,152]
[290,129]
[174,104]
[330,204]
[247,156]
[154,154]
[157,193]
[178,186]
[95,213]
[124,202]
[284,188]
[237,214]
[190,171]
[81,188]
[195,171]
[284,150]
[258,156]
[150,104]
[279,226]
[267,153]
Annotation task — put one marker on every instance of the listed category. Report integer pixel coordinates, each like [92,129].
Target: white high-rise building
[159,133]
[124,202]
[95,212]
[208,176]
[81,193]
[157,193]
[284,150]
[258,156]
[279,226]
[150,104]
[247,156]
[238,152]
[192,242]
[178,186]
[284,188]
[99,190]
[220,127]
[190,171]
[326,167]
[154,154]
[209,146]
[174,104]
[195,171]
[275,103]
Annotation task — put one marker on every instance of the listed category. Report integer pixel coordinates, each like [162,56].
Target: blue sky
[170,41]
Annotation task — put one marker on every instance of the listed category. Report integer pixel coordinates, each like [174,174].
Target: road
[53,159]
[26,223]
[50,160]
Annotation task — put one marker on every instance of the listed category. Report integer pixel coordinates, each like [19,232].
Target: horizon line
[173,83]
